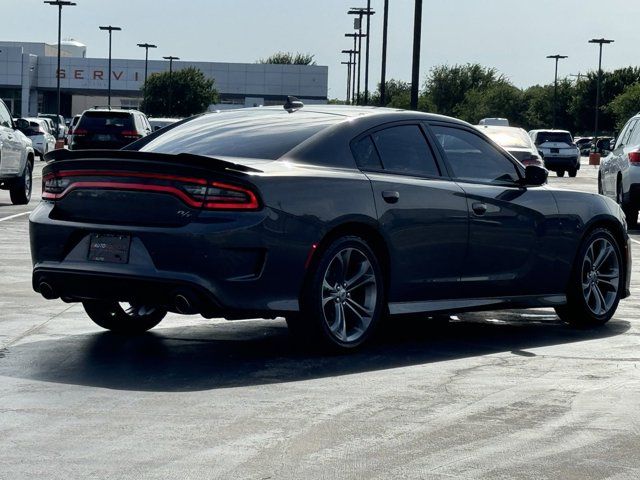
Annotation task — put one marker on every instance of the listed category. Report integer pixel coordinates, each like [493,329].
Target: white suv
[558,151]
[16,159]
[619,175]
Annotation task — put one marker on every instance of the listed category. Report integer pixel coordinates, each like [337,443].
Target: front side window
[404,149]
[474,159]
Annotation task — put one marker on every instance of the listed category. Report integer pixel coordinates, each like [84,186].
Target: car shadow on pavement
[245,353]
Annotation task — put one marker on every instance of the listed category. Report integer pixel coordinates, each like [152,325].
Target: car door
[623,145]
[422,214]
[513,229]
[11,146]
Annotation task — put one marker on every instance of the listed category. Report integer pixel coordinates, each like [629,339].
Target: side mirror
[612,144]
[535,175]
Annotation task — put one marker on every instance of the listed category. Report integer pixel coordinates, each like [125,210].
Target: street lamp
[350,64]
[600,41]
[415,69]
[171,59]
[383,73]
[110,29]
[356,59]
[361,12]
[146,47]
[555,86]
[59,4]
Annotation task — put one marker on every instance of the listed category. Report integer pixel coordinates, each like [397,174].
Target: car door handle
[479,208]
[390,196]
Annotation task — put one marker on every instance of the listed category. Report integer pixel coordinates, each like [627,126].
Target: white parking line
[15,216]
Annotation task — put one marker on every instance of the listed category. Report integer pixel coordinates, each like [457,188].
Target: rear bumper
[238,267]
[555,163]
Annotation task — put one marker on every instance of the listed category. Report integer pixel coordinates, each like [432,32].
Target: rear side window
[474,159]
[404,149]
[366,154]
[625,137]
[96,121]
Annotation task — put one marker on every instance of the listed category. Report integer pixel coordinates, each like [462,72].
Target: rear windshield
[563,137]
[508,137]
[95,121]
[266,134]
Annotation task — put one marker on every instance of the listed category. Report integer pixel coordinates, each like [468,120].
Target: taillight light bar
[195,192]
[634,157]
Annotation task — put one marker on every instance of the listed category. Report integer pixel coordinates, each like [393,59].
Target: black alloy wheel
[343,298]
[596,281]
[125,318]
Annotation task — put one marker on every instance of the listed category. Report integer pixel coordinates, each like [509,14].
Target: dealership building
[28,80]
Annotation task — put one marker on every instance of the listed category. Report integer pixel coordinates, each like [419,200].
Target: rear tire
[560,173]
[572,172]
[20,191]
[343,298]
[596,282]
[112,316]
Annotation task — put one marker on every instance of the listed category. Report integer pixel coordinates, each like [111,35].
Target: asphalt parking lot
[511,394]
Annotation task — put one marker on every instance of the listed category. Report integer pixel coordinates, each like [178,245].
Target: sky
[513,36]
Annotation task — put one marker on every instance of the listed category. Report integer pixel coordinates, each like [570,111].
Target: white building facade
[28,80]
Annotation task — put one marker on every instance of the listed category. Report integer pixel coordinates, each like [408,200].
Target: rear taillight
[130,134]
[195,192]
[80,132]
[221,196]
[634,157]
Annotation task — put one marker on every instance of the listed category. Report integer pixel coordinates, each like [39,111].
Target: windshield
[559,137]
[267,134]
[509,137]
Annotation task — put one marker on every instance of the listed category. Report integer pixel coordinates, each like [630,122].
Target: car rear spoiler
[184,158]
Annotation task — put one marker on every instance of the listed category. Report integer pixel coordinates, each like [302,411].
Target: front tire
[343,298]
[595,285]
[134,320]
[20,191]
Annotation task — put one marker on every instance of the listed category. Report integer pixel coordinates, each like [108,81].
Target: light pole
[350,64]
[383,73]
[600,41]
[415,70]
[362,12]
[59,4]
[555,86]
[146,47]
[356,63]
[110,29]
[171,59]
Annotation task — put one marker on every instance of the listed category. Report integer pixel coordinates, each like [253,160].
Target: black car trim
[453,305]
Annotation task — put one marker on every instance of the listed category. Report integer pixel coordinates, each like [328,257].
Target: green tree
[625,105]
[446,86]
[182,93]
[500,99]
[538,104]
[288,58]
[397,94]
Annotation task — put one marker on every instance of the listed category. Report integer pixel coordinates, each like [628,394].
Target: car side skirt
[468,304]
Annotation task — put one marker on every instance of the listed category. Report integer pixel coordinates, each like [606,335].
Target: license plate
[103,138]
[109,248]
[555,150]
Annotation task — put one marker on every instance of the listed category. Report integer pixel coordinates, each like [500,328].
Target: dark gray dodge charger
[333,217]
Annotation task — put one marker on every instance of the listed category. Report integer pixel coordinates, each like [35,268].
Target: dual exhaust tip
[183,302]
